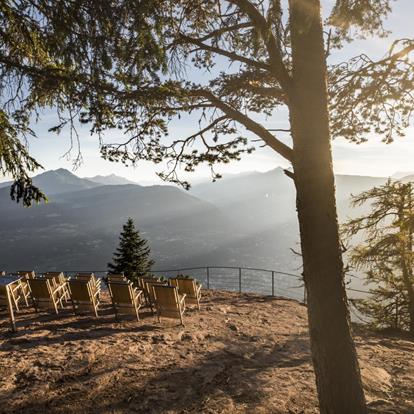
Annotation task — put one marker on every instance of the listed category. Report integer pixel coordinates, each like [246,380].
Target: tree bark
[407,278]
[405,211]
[334,356]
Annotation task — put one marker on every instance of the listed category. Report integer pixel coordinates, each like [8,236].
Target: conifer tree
[386,254]
[132,257]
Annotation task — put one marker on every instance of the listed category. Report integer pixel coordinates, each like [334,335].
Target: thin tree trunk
[406,248]
[410,278]
[407,276]
[334,357]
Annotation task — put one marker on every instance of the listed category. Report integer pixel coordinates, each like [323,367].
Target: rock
[233,327]
[186,337]
[375,379]
[381,406]
[156,339]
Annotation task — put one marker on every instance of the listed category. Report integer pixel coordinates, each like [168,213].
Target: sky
[372,158]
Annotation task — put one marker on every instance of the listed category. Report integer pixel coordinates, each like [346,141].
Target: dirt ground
[239,354]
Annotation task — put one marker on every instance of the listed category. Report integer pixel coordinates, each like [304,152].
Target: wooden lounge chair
[59,279]
[150,291]
[168,302]
[18,292]
[142,283]
[44,295]
[190,288]
[28,274]
[125,298]
[15,294]
[25,289]
[83,296]
[7,302]
[89,276]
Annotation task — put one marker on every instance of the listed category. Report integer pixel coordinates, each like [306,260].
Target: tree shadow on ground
[394,339]
[233,375]
[69,327]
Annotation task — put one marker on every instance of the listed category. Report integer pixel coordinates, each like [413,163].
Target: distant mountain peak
[62,171]
[402,174]
[111,179]
[61,180]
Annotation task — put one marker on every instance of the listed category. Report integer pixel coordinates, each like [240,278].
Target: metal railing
[244,279]
[240,279]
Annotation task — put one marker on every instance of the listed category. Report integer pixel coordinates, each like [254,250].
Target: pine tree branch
[272,46]
[231,55]
[248,123]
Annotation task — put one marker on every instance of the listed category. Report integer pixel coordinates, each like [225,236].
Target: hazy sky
[372,158]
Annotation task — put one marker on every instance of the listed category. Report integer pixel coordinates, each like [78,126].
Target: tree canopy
[136,65]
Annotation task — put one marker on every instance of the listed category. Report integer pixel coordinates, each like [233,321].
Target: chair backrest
[166,297]
[57,275]
[187,286]
[80,290]
[150,290]
[84,275]
[121,293]
[173,282]
[62,278]
[3,295]
[144,280]
[54,277]
[27,274]
[40,288]
[117,277]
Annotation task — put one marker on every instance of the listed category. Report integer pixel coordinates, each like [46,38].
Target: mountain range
[63,181]
[246,220]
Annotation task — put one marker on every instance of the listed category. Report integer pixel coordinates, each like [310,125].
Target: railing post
[240,281]
[208,277]
[273,283]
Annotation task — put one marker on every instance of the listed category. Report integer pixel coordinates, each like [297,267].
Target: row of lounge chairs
[54,291]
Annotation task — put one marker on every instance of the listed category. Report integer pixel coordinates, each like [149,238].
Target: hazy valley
[246,220]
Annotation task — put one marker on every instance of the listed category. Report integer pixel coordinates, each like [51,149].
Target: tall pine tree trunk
[334,357]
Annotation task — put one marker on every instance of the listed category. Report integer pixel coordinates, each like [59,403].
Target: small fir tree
[387,254]
[132,256]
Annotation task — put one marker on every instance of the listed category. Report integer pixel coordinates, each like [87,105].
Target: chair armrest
[58,288]
[182,297]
